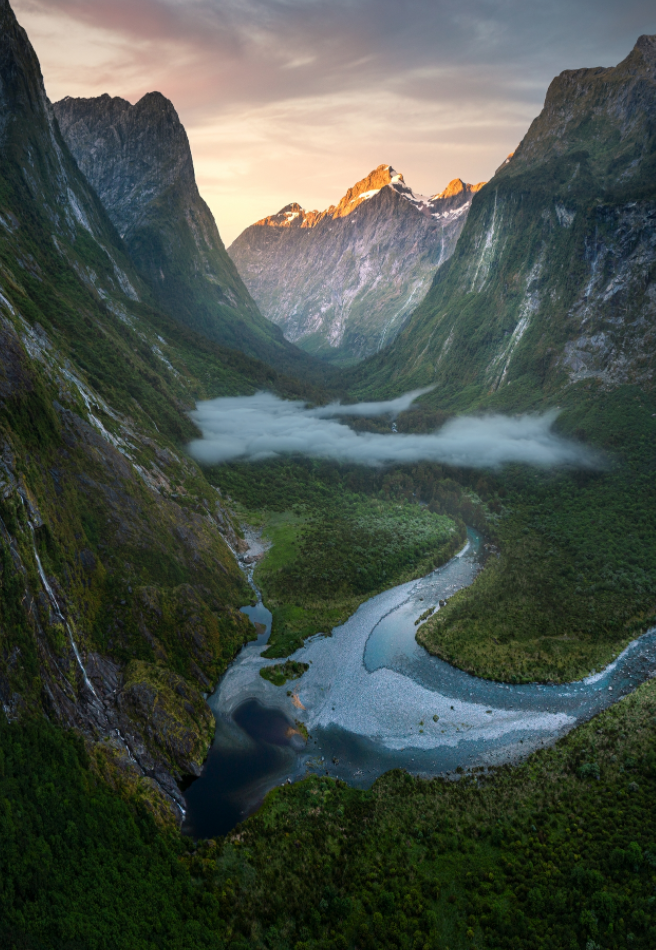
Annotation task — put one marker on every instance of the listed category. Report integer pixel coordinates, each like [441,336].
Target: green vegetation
[524,261]
[342,555]
[576,576]
[340,535]
[556,854]
[174,718]
[95,388]
[280,673]
[82,869]
[551,854]
[559,852]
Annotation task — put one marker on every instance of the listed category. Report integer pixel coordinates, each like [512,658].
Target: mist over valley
[287,659]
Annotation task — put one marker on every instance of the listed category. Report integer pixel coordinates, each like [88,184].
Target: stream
[372,700]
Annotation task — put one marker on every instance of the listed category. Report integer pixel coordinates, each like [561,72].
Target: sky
[296,100]
[264,426]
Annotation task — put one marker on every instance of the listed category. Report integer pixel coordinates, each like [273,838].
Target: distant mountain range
[342,282]
[553,280]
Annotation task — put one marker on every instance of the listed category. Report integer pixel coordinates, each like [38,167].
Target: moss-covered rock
[173,717]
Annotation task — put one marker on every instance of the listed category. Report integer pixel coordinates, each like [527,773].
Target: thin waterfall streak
[55,606]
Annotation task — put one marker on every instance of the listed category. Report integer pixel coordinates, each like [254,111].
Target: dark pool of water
[240,768]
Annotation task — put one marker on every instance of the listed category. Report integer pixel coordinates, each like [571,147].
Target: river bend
[373,699]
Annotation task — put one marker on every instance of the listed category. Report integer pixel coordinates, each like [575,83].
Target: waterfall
[55,605]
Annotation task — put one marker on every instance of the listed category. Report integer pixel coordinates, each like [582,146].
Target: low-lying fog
[264,426]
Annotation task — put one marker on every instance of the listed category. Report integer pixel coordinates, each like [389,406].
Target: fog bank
[251,428]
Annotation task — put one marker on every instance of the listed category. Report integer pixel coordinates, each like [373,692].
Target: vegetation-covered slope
[552,280]
[118,592]
[556,854]
[550,300]
[118,606]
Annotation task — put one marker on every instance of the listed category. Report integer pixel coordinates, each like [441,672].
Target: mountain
[119,589]
[119,593]
[138,160]
[342,282]
[552,283]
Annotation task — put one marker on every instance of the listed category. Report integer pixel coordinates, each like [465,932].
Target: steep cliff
[553,281]
[138,160]
[342,282]
[119,593]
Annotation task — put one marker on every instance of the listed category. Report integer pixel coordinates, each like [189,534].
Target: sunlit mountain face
[299,654]
[341,283]
[294,102]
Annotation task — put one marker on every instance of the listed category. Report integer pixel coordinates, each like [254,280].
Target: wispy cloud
[252,428]
[296,99]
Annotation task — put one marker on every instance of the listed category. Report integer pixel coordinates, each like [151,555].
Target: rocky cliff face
[138,160]
[553,282]
[342,282]
[119,592]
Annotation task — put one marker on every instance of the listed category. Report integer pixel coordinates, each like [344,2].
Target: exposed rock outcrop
[342,282]
[553,281]
[138,160]
[119,595]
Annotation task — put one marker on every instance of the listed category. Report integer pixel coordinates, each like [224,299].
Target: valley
[346,670]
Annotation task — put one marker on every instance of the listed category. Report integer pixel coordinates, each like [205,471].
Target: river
[372,700]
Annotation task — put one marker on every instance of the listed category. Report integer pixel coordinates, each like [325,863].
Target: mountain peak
[457,187]
[646,44]
[342,284]
[621,103]
[291,216]
[138,159]
[128,152]
[157,102]
[456,195]
[367,187]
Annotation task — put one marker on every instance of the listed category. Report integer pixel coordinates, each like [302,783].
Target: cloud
[295,100]
[252,428]
[308,47]
[391,407]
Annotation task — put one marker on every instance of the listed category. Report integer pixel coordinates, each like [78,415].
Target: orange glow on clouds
[296,101]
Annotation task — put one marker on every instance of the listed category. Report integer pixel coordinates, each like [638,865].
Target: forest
[556,852]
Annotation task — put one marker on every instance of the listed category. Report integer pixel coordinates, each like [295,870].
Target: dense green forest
[576,576]
[576,573]
[117,551]
[327,559]
[559,852]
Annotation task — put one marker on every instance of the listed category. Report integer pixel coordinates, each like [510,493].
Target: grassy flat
[323,565]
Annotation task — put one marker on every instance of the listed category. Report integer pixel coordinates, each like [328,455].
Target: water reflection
[373,699]
[250,753]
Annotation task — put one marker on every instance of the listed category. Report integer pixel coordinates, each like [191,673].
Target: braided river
[372,699]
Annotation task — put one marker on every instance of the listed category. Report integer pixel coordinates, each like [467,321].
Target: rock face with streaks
[341,283]
[138,160]
[553,281]
[119,594]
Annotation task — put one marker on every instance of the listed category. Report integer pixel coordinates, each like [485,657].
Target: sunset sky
[295,100]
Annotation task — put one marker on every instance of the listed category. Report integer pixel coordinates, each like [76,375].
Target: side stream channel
[373,700]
